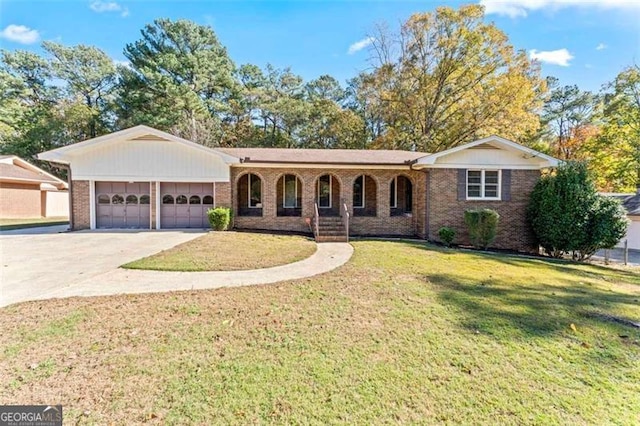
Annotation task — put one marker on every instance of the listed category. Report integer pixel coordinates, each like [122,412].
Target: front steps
[331,230]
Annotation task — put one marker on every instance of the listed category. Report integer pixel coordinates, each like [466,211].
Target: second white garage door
[185,205]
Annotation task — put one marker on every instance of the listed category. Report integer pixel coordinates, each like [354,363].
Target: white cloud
[601,46]
[554,57]
[126,64]
[111,6]
[359,45]
[20,34]
[520,8]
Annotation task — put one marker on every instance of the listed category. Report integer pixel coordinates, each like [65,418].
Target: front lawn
[8,224]
[403,333]
[229,251]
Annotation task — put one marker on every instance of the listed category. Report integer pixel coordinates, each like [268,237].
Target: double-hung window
[483,184]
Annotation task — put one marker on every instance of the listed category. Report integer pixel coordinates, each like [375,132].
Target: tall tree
[449,77]
[90,75]
[615,153]
[567,118]
[180,79]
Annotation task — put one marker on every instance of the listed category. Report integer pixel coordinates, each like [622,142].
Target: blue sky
[584,42]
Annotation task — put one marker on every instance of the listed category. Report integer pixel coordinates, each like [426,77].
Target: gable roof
[140,132]
[631,202]
[491,142]
[15,169]
[323,156]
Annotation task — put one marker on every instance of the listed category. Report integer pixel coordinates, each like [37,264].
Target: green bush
[567,215]
[446,235]
[219,218]
[482,225]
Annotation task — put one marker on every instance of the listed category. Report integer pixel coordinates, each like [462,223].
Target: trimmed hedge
[219,218]
[483,226]
[447,235]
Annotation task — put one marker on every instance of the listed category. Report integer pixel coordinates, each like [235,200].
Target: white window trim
[394,182]
[364,180]
[330,193]
[284,192]
[259,205]
[482,185]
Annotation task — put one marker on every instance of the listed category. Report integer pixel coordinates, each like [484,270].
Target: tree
[448,77]
[614,154]
[566,119]
[180,79]
[568,216]
[90,75]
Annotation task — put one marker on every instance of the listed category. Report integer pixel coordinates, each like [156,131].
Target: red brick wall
[445,210]
[382,224]
[19,200]
[80,204]
[223,194]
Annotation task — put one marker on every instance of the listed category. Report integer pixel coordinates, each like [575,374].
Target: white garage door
[122,205]
[185,205]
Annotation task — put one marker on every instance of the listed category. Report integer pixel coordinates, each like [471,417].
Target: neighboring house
[145,178]
[631,203]
[27,191]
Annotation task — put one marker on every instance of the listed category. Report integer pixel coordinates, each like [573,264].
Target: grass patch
[403,333]
[9,224]
[229,251]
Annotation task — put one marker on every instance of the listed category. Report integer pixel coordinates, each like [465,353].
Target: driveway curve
[86,264]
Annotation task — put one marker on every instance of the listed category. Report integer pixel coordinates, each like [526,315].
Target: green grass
[403,333]
[9,224]
[229,251]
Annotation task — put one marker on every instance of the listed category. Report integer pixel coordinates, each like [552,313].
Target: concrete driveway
[45,264]
[40,261]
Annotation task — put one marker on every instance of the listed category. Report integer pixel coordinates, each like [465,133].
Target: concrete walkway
[86,264]
[327,257]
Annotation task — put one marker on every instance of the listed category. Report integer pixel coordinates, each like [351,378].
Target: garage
[123,205]
[185,205]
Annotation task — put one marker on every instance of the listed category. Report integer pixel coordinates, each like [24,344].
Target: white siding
[135,160]
[633,234]
[500,158]
[57,203]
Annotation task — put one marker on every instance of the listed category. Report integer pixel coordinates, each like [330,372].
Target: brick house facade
[383,193]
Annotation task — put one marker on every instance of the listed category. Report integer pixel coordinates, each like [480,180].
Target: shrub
[567,215]
[482,225]
[446,235]
[219,218]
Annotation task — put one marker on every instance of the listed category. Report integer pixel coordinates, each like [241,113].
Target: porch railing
[316,220]
[344,212]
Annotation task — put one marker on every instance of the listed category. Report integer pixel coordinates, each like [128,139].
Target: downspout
[426,197]
[67,168]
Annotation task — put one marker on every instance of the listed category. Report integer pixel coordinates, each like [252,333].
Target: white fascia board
[64,154]
[548,160]
[479,166]
[323,166]
[204,179]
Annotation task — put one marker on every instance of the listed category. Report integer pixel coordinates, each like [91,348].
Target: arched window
[117,199]
[104,199]
[194,199]
[167,199]
[400,196]
[144,199]
[181,199]
[365,196]
[207,199]
[289,196]
[250,195]
[132,199]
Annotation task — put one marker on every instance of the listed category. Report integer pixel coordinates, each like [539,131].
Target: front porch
[379,201]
